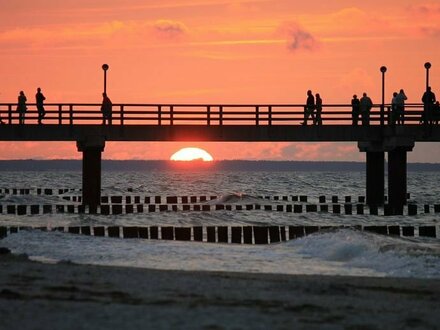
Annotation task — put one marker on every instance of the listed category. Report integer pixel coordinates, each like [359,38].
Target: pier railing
[202,114]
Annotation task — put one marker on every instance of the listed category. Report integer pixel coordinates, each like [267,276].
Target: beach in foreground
[70,296]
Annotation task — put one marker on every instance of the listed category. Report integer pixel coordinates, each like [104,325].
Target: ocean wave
[391,256]
[235,198]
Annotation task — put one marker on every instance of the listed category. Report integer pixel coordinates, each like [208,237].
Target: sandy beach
[34,295]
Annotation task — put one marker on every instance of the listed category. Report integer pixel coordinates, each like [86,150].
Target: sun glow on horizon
[189,154]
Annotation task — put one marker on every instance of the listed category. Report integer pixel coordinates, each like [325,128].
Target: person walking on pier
[106,109]
[365,106]
[355,109]
[318,107]
[21,107]
[400,107]
[39,99]
[309,108]
[428,100]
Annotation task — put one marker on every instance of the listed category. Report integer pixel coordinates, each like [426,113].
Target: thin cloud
[432,31]
[425,18]
[92,35]
[170,29]
[425,10]
[298,38]
[320,151]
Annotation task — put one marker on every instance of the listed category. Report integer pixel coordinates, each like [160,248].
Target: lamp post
[105,68]
[427,67]
[383,69]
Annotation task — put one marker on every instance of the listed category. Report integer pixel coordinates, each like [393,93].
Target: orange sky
[219,51]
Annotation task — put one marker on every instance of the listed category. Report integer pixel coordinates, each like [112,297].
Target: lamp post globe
[383,69]
[105,68]
[427,67]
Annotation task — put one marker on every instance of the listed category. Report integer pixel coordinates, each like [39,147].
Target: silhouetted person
[21,107]
[1,121]
[318,108]
[365,106]
[309,107]
[393,115]
[400,107]
[39,100]
[106,109]
[428,100]
[355,109]
[436,113]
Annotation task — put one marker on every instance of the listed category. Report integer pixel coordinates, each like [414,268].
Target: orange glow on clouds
[216,51]
[189,154]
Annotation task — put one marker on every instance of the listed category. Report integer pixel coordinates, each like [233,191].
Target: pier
[82,124]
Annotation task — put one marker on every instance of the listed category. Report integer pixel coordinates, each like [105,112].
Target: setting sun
[188,154]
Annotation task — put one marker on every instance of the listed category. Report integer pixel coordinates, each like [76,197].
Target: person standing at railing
[318,107]
[39,99]
[428,100]
[106,109]
[393,115]
[309,108]
[21,107]
[365,105]
[355,109]
[1,121]
[436,113]
[400,107]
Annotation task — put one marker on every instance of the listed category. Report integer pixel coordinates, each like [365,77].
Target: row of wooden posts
[38,191]
[107,209]
[136,199]
[203,199]
[129,199]
[226,234]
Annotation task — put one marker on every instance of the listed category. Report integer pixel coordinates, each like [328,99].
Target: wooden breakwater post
[274,234]
[296,232]
[210,234]
[427,231]
[183,233]
[236,234]
[198,233]
[167,233]
[3,232]
[261,234]
[130,232]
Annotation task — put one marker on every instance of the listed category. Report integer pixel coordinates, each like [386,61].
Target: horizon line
[213,161]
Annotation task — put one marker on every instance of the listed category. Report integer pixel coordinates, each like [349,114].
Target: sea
[343,250]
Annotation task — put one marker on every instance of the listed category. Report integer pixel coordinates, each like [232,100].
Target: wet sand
[70,296]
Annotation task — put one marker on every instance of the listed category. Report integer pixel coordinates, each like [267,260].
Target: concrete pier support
[92,149]
[397,148]
[397,186]
[375,177]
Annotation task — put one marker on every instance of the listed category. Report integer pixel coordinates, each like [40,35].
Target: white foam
[344,252]
[387,255]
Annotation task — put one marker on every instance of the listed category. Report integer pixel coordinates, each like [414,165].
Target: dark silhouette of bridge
[228,122]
